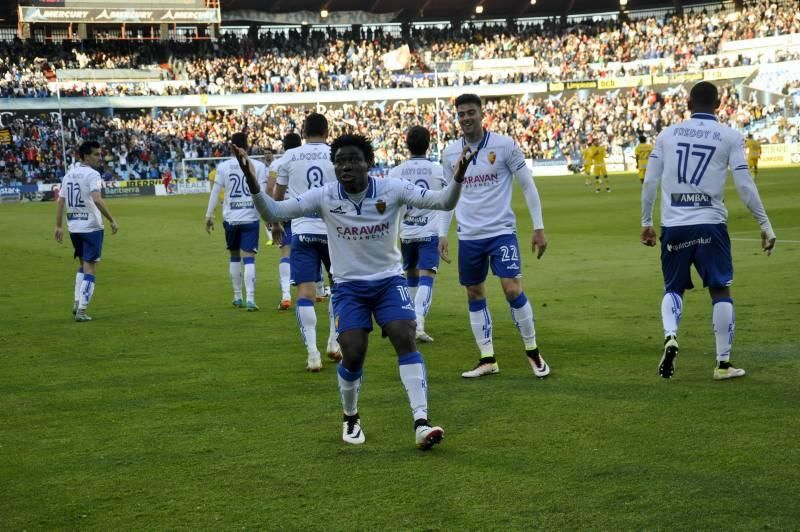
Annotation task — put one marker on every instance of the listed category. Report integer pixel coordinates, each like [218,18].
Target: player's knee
[476,292]
[353,344]
[402,334]
[307,290]
[512,288]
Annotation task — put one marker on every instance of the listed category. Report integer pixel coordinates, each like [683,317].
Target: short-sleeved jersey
[420,223]
[642,153]
[304,168]
[362,236]
[484,210]
[77,186]
[599,154]
[237,206]
[696,155]
[753,148]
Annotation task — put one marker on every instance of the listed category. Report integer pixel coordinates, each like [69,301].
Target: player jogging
[487,233]
[753,154]
[80,196]
[420,228]
[692,159]
[642,154]
[240,221]
[362,215]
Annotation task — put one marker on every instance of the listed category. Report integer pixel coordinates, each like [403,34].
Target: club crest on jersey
[381,206]
[492,157]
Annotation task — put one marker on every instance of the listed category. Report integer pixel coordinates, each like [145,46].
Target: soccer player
[642,154]
[420,228]
[487,233]
[587,154]
[753,154]
[307,167]
[692,159]
[282,233]
[362,216]
[80,196]
[240,221]
[599,159]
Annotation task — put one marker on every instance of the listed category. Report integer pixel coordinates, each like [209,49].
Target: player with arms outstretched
[362,215]
[692,159]
[80,195]
[642,154]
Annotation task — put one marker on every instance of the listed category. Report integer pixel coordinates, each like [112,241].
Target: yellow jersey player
[587,155]
[753,154]
[642,154]
[599,159]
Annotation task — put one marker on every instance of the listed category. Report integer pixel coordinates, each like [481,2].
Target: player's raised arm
[269,209]
[748,191]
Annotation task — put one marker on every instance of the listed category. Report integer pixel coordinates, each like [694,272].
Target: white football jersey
[484,210]
[237,206]
[692,160]
[362,235]
[420,223]
[305,168]
[77,186]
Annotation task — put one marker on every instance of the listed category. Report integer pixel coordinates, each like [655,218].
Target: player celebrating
[642,154]
[692,160]
[599,159]
[362,217]
[80,194]
[487,231]
[307,167]
[282,233]
[753,154]
[419,232]
[240,221]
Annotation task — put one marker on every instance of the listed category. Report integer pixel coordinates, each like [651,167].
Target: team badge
[336,326]
[492,157]
[381,206]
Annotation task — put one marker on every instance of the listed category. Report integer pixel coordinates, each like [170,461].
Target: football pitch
[174,410]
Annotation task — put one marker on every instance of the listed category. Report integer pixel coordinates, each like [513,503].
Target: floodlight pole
[61,122]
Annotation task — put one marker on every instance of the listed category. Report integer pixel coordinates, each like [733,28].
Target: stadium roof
[422,9]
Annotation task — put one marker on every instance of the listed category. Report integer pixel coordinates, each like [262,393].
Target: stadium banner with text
[679,77]
[627,81]
[10,194]
[128,191]
[779,155]
[192,186]
[121,15]
[5,135]
[729,72]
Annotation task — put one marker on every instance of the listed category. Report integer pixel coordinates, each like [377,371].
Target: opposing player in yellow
[586,155]
[599,159]
[642,154]
[753,154]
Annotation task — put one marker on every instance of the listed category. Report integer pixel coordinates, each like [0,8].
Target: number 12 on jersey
[701,152]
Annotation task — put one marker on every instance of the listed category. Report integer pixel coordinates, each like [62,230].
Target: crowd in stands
[142,146]
[326,60]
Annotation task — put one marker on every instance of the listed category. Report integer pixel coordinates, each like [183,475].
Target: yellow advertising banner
[627,81]
[774,155]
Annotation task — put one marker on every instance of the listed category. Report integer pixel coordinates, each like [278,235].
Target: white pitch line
[759,240]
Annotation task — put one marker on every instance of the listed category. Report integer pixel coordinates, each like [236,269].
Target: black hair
[418,140]
[291,140]
[87,147]
[315,125]
[359,141]
[642,139]
[469,98]
[705,94]
[239,140]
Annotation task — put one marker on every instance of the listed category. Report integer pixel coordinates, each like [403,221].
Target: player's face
[268,157]
[470,118]
[93,158]
[352,170]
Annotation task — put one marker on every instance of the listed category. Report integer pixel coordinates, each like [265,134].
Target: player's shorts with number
[356,302]
[309,252]
[420,254]
[88,246]
[242,236]
[475,257]
[706,246]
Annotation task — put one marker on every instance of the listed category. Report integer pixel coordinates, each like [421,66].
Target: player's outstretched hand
[247,168]
[444,251]
[648,236]
[209,225]
[539,243]
[463,162]
[114,227]
[767,243]
[59,234]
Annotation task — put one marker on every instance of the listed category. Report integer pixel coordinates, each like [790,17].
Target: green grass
[173,410]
